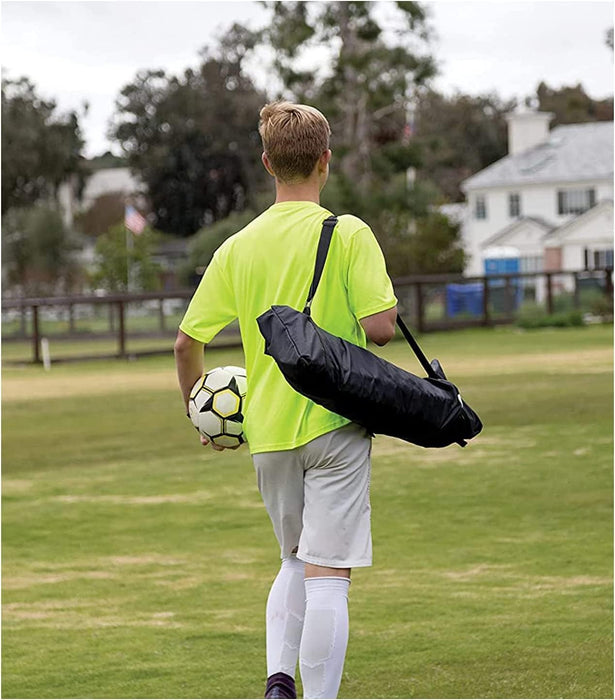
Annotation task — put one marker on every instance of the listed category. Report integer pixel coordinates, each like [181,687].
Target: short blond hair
[294,137]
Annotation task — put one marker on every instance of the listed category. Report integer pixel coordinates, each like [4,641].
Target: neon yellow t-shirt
[271,261]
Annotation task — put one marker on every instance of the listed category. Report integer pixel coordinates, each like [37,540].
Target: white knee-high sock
[285,611]
[325,636]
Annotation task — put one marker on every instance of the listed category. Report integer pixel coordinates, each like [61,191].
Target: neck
[307,191]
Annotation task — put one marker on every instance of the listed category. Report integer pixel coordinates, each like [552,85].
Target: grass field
[137,564]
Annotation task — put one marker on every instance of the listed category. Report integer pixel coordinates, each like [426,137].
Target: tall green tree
[126,265]
[459,135]
[40,148]
[572,105]
[193,138]
[377,71]
[374,74]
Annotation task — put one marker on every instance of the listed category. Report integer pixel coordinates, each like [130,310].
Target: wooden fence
[132,325]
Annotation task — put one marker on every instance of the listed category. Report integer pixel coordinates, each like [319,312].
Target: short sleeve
[370,289]
[213,305]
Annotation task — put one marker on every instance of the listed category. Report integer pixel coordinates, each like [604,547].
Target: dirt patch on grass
[85,617]
[196,498]
[85,383]
[16,485]
[475,571]
[33,579]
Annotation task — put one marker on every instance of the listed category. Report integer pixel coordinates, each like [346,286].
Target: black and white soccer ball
[216,405]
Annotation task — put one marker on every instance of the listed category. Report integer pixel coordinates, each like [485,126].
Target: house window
[575,201]
[480,207]
[603,258]
[531,263]
[514,205]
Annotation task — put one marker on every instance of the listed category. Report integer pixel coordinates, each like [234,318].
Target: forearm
[188,362]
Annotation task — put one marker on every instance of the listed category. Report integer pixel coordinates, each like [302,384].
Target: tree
[38,252]
[433,246]
[458,136]
[193,139]
[376,76]
[123,263]
[572,105]
[40,148]
[370,83]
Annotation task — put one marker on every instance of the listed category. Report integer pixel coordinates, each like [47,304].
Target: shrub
[534,316]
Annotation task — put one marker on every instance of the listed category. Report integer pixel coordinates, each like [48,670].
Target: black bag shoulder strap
[417,350]
[321,256]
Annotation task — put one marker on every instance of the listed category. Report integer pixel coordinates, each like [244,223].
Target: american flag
[134,221]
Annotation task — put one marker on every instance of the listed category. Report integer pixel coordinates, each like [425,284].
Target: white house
[101,182]
[551,197]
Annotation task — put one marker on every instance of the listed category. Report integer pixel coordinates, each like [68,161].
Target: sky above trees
[78,52]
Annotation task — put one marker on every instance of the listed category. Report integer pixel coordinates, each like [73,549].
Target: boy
[312,466]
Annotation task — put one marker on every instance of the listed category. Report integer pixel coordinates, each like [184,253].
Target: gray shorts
[317,497]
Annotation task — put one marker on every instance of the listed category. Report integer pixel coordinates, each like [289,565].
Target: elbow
[383,337]
[183,345]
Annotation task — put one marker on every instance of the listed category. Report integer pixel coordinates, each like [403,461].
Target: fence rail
[131,325]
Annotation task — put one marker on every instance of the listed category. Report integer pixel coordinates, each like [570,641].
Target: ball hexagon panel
[210,424]
[241,383]
[218,378]
[201,399]
[227,441]
[226,403]
[198,385]
[233,427]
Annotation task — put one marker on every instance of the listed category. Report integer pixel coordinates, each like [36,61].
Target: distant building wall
[540,201]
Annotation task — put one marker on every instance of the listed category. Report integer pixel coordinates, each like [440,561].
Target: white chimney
[527,129]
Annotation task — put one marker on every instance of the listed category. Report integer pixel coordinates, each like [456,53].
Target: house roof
[606,205]
[504,233]
[573,152]
[546,231]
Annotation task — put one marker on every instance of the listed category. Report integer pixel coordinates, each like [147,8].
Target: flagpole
[129,248]
[129,245]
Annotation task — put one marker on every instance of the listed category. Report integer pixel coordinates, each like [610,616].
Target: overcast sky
[86,51]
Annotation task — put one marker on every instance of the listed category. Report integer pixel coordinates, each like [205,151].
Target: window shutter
[591,197]
[560,202]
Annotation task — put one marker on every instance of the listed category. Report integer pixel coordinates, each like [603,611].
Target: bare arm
[380,327]
[189,363]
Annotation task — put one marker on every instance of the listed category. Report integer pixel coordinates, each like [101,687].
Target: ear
[267,164]
[324,160]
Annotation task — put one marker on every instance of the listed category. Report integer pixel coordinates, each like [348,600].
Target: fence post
[486,319]
[608,282]
[510,304]
[36,336]
[420,308]
[549,293]
[161,313]
[121,332]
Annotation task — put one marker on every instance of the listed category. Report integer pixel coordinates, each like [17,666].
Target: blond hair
[294,137]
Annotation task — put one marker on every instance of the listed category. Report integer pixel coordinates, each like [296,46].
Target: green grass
[136,564]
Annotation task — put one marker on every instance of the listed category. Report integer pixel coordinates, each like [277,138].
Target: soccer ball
[216,405]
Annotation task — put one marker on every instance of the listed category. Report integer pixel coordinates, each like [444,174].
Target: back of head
[294,137]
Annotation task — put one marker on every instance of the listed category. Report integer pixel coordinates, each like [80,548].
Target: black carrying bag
[353,382]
